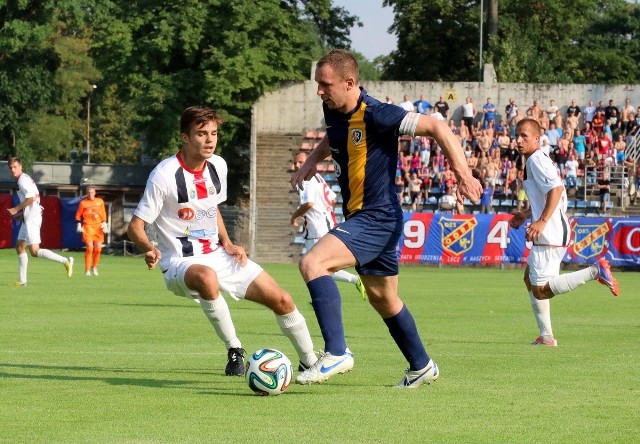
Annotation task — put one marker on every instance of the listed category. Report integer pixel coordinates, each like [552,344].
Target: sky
[372,40]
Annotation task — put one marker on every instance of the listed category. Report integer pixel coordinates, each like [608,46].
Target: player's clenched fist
[152,257]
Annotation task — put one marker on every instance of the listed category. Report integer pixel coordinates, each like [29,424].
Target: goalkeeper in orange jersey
[92,223]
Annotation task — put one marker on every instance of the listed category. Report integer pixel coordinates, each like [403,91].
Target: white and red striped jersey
[183,206]
[320,218]
[27,188]
[541,176]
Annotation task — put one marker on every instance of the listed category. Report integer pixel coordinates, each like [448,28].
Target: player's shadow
[64,373]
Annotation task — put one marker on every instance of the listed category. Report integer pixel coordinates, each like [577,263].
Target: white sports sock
[564,283]
[542,314]
[23,262]
[217,311]
[294,327]
[345,276]
[48,254]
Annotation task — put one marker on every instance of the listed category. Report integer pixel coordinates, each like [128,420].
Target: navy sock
[325,298]
[403,330]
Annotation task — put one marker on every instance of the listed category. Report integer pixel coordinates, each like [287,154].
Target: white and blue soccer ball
[268,372]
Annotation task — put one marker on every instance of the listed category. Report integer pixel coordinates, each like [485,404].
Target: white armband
[409,123]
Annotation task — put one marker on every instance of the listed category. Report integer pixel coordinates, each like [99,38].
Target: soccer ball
[268,372]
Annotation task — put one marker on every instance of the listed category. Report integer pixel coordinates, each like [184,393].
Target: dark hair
[343,63]
[198,116]
[13,160]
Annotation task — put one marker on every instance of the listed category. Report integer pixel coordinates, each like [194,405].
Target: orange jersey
[91,212]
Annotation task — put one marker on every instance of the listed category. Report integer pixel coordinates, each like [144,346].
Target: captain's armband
[409,123]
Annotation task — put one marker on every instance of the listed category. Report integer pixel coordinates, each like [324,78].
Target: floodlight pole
[89,123]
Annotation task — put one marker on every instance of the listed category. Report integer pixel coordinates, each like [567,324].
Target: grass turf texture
[118,359]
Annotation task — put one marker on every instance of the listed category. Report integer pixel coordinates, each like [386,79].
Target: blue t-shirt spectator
[423,105]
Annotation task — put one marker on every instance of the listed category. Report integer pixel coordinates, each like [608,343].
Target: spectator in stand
[589,135]
[493,169]
[608,110]
[406,104]
[489,110]
[590,165]
[442,107]
[619,146]
[561,153]
[598,121]
[552,110]
[486,200]
[543,120]
[604,190]
[512,152]
[423,106]
[484,141]
[553,136]
[511,180]
[415,190]
[414,162]
[575,110]
[533,111]
[424,148]
[521,194]
[606,129]
[465,136]
[469,113]
[571,172]
[627,113]
[637,184]
[502,126]
[580,144]
[629,129]
[388,100]
[572,121]
[614,123]
[510,111]
[545,145]
[589,112]
[447,178]
[425,175]
[503,142]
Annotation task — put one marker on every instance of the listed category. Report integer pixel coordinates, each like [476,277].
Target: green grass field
[118,359]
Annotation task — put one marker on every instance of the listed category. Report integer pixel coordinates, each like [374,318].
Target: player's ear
[184,137]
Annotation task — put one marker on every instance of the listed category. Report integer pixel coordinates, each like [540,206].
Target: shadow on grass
[111,380]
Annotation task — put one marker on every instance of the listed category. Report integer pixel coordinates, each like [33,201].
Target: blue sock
[325,298]
[403,330]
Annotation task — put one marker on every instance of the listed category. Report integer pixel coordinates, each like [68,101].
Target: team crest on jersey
[356,136]
[590,239]
[457,235]
[192,194]
[186,214]
[212,190]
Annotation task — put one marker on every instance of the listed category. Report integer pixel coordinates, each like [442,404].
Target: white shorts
[232,277]
[544,263]
[30,230]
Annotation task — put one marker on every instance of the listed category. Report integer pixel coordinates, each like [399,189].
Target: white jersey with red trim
[183,206]
[540,177]
[27,188]
[320,218]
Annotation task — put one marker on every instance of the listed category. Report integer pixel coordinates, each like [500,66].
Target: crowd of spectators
[585,143]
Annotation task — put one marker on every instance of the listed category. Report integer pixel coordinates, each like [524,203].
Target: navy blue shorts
[372,237]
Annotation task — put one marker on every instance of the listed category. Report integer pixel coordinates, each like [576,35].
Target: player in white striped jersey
[29,212]
[194,251]
[316,208]
[549,232]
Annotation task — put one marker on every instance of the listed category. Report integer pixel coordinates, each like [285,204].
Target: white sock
[48,254]
[217,311]
[542,314]
[345,276]
[23,262]
[564,283]
[294,327]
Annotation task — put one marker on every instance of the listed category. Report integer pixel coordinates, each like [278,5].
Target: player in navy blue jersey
[362,137]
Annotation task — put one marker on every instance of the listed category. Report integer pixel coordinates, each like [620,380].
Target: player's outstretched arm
[308,168]
[468,186]
[138,236]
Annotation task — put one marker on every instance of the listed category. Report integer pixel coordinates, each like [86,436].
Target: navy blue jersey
[364,147]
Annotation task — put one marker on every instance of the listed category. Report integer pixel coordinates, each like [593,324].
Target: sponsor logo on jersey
[210,213]
[186,214]
[356,136]
[457,235]
[590,239]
